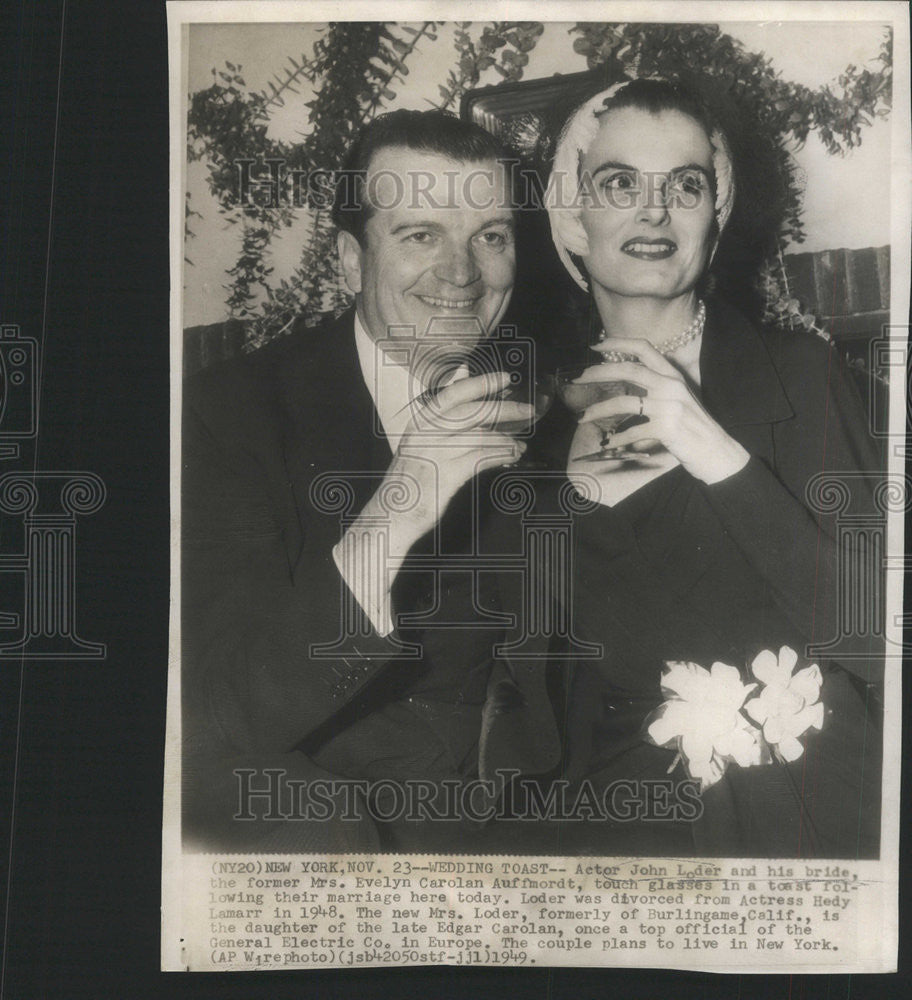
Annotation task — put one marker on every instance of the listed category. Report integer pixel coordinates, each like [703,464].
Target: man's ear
[350,258]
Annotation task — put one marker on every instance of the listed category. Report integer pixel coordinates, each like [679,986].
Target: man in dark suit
[322,475]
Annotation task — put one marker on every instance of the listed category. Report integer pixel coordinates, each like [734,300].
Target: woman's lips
[649,249]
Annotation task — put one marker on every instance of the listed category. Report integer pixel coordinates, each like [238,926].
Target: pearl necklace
[668,346]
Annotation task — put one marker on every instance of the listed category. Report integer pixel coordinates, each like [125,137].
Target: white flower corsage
[703,713]
[789,703]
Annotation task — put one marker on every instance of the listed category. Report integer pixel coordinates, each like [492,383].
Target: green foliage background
[356,68]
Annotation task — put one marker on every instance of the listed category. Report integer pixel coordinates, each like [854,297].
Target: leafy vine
[353,73]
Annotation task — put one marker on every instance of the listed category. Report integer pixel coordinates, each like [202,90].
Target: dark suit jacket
[759,560]
[260,589]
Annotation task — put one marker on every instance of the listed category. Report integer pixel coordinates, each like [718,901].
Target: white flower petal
[745,748]
[772,729]
[726,674]
[684,679]
[683,715]
[816,715]
[663,730]
[787,660]
[758,708]
[807,683]
[696,746]
[765,667]
[789,703]
[707,772]
[790,748]
[800,722]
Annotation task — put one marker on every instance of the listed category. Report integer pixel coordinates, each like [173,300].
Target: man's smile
[438,303]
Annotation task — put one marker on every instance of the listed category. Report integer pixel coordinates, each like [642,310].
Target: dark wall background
[85,272]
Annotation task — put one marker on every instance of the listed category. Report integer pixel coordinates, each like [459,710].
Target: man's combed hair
[422,131]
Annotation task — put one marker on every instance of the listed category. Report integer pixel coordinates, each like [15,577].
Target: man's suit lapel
[330,419]
[330,425]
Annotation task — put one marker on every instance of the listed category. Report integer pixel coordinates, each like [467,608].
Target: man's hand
[451,437]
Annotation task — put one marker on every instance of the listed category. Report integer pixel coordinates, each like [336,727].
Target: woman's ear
[350,258]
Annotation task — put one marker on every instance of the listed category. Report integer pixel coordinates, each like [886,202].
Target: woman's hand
[675,417]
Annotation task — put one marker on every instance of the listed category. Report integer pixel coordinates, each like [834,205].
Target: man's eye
[419,237]
[492,238]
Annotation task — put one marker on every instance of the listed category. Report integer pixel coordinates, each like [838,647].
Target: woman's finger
[640,435]
[506,411]
[622,371]
[614,407]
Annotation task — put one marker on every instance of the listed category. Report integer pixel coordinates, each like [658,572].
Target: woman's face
[648,203]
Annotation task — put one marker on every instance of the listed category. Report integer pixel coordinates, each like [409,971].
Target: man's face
[439,246]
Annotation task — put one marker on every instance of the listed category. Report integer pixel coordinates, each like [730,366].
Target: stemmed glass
[578,396]
[536,391]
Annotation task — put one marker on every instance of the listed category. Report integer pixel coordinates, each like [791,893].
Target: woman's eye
[619,182]
[690,182]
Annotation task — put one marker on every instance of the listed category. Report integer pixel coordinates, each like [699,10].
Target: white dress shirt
[393,388]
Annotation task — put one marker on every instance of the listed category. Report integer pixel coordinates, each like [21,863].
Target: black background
[85,271]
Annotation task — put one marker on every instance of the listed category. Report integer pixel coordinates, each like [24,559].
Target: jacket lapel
[330,426]
[329,416]
[739,384]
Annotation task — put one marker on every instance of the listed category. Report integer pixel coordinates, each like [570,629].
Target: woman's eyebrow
[614,165]
[691,166]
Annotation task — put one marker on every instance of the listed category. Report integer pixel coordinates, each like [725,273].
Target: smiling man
[437,241]
[315,469]
[428,250]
